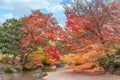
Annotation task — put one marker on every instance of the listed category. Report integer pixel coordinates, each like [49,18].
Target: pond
[28,75]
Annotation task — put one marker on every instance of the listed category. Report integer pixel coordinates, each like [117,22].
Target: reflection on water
[18,76]
[28,75]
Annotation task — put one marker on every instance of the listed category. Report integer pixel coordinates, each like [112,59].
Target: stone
[39,74]
[14,70]
[60,64]
[2,68]
[117,72]
[53,67]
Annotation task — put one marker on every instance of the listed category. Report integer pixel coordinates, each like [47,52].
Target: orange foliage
[33,64]
[38,29]
[87,61]
[34,61]
[40,56]
[88,33]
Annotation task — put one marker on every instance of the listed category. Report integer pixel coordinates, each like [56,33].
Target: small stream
[28,75]
[18,76]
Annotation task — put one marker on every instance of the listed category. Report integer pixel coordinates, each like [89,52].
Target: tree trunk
[14,59]
[23,59]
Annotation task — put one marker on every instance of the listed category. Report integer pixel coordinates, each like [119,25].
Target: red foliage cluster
[53,52]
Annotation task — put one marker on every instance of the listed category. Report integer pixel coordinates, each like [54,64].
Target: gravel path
[65,74]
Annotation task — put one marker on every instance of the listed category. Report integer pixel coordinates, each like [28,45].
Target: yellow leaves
[35,59]
[39,51]
[68,58]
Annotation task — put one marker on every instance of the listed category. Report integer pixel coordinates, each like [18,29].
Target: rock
[39,74]
[60,64]
[2,68]
[2,72]
[14,70]
[39,71]
[117,72]
[53,67]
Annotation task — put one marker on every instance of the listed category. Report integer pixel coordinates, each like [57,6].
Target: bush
[26,69]
[111,63]
[104,62]
[8,69]
[38,59]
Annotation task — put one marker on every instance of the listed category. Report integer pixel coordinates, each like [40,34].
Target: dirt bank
[65,74]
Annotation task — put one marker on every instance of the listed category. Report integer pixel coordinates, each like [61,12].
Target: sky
[19,8]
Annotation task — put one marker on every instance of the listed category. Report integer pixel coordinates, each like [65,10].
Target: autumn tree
[99,15]
[90,27]
[38,29]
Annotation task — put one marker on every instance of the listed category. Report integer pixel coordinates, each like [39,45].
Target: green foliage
[60,45]
[118,51]
[45,63]
[17,68]
[10,36]
[8,69]
[107,63]
[111,63]
[26,69]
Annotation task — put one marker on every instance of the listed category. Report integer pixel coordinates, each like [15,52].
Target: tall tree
[98,14]
[89,30]
[10,36]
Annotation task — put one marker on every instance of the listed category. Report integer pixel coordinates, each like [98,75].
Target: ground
[60,74]
[65,74]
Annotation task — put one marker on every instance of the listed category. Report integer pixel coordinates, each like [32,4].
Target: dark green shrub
[118,51]
[25,69]
[8,69]
[44,62]
[104,62]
